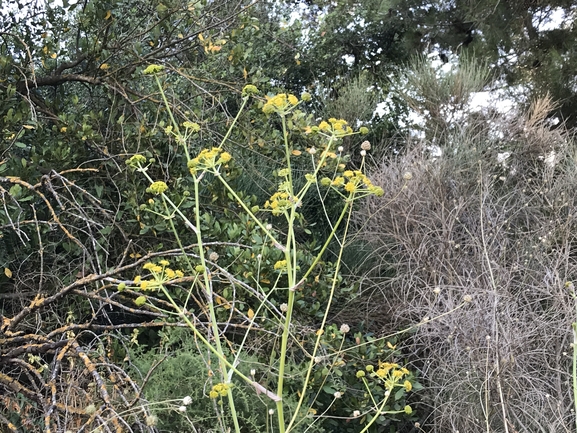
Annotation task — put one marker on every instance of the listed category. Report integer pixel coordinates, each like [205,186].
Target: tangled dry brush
[494,217]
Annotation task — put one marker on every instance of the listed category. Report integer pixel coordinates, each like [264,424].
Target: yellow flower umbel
[219,390]
[279,203]
[160,274]
[157,187]
[353,182]
[193,126]
[282,104]
[392,375]
[281,266]
[208,160]
[334,127]
[136,162]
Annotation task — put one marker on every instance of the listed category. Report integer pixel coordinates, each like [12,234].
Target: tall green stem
[346,211]
[210,302]
[244,101]
[290,257]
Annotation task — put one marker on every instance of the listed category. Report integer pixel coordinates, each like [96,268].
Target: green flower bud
[136,161]
[268,109]
[191,125]
[153,69]
[249,89]
[141,300]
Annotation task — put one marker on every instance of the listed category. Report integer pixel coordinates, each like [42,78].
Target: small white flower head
[312,151]
[151,420]
[345,328]
[271,411]
[338,394]
[502,157]
[365,145]
[426,319]
[407,175]
[187,400]
[284,307]
[213,257]
[182,409]
[258,257]
[341,149]
[387,392]
[437,290]
[467,298]
[551,159]
[357,413]
[318,359]
[268,226]
[252,372]
[363,153]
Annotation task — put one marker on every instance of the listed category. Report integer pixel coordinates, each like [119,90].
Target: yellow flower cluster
[279,202]
[157,187]
[353,182]
[336,127]
[281,103]
[136,161]
[281,265]
[208,159]
[391,374]
[219,390]
[160,273]
[193,126]
[162,270]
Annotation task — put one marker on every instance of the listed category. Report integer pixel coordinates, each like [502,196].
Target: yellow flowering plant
[203,275]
